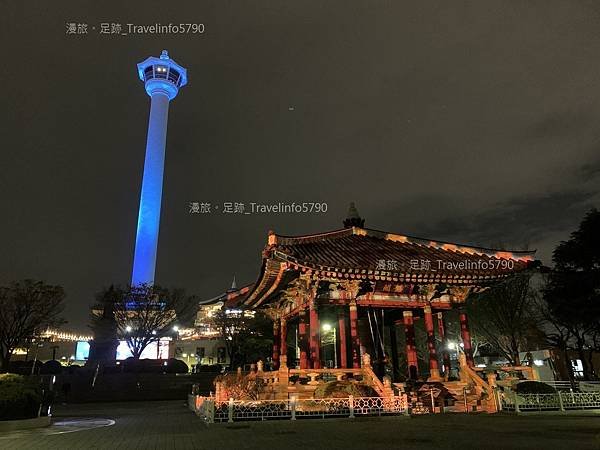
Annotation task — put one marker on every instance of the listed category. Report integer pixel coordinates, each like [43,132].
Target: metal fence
[292,409]
[582,386]
[560,401]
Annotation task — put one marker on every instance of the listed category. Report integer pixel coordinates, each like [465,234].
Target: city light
[326,327]
[56,335]
[128,328]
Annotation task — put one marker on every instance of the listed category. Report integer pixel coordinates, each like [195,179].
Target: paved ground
[170,425]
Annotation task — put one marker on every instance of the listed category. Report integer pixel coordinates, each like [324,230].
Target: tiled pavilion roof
[230,298]
[366,254]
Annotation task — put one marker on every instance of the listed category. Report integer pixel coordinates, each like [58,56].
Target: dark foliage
[176,366]
[51,367]
[534,387]
[572,294]
[505,315]
[19,398]
[248,337]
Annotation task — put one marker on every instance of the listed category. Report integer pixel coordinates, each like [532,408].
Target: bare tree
[504,315]
[248,336]
[27,308]
[557,333]
[144,314]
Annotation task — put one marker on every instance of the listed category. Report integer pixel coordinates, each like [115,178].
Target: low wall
[131,386]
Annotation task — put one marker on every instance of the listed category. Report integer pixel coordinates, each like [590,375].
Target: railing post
[351,405]
[572,396]
[230,410]
[293,406]
[498,398]
[432,400]
[517,410]
[560,402]
[209,411]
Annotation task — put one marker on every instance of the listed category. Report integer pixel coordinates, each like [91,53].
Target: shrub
[534,387]
[209,368]
[344,388]
[51,367]
[176,366]
[24,367]
[239,386]
[132,365]
[19,398]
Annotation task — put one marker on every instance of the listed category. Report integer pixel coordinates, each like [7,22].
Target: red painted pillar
[315,344]
[276,340]
[442,334]
[303,340]
[342,337]
[283,333]
[434,369]
[411,349]
[354,339]
[466,338]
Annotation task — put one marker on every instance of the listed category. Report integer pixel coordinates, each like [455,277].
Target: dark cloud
[516,224]
[561,124]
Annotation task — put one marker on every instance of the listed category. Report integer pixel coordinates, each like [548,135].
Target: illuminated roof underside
[365,254]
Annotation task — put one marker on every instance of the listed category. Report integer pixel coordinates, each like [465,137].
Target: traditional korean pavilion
[363,280]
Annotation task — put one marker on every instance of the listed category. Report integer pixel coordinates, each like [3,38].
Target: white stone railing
[560,401]
[293,408]
[204,407]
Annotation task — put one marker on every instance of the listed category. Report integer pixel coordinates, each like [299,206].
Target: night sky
[473,122]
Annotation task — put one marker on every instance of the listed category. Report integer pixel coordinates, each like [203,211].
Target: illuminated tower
[162,78]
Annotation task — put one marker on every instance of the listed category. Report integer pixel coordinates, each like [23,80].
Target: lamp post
[328,328]
[37,347]
[187,360]
[456,347]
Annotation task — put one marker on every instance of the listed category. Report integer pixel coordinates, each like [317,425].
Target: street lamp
[187,357]
[456,347]
[327,328]
[128,329]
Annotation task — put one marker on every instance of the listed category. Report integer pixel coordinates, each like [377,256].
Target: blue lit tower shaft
[163,78]
[146,241]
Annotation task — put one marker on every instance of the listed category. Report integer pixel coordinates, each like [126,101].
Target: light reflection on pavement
[61,426]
